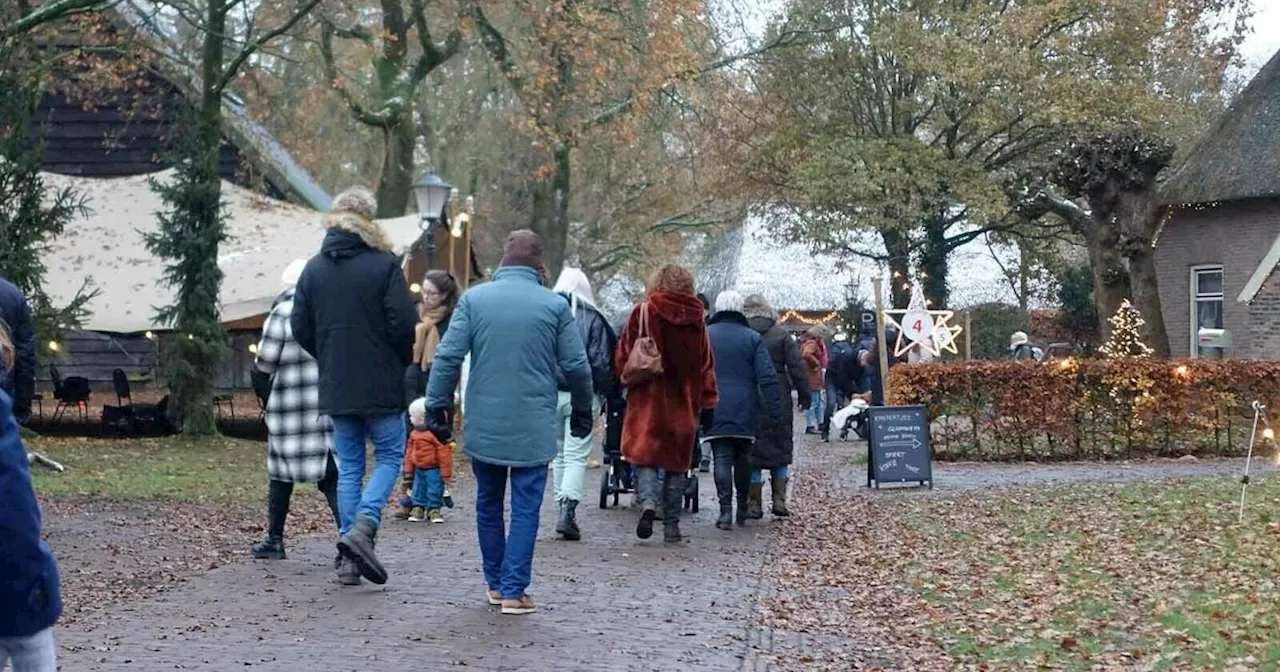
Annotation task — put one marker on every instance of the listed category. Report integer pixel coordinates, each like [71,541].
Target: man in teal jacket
[519,335]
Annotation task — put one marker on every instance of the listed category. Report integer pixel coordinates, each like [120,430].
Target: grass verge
[1155,576]
[213,470]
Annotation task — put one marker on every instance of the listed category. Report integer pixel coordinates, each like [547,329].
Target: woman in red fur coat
[661,425]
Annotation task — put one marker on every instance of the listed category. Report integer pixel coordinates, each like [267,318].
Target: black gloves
[708,419]
[581,422]
[438,424]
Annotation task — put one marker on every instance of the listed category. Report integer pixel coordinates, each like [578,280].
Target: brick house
[1219,243]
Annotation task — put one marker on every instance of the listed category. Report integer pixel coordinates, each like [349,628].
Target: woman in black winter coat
[774,447]
[747,383]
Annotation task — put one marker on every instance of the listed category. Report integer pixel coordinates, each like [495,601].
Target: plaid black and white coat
[299,436]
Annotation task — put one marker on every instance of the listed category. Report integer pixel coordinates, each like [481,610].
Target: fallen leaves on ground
[1154,576]
[132,517]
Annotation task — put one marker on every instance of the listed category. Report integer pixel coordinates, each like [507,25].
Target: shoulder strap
[644,319]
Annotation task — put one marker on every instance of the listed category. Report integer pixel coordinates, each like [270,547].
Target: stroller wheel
[604,488]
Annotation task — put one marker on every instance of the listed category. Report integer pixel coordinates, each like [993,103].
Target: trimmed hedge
[1087,409]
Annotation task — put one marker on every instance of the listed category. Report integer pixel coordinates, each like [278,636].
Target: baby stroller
[852,416]
[617,478]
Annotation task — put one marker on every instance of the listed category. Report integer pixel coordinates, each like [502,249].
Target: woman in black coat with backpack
[747,383]
[775,445]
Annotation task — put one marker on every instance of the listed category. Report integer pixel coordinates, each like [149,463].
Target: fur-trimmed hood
[368,231]
[755,305]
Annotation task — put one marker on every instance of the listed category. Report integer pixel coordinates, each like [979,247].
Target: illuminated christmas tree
[1126,334]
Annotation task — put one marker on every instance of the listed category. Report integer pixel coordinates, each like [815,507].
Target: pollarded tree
[1115,174]
[401,53]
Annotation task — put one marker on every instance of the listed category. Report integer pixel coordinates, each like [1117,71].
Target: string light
[150,336]
[1125,339]
[54,347]
[253,348]
[792,315]
[1182,371]
[415,288]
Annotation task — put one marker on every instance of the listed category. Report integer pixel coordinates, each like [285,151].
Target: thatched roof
[1239,157]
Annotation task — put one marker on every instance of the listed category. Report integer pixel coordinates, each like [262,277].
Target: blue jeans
[428,488]
[508,558]
[813,417]
[349,435]
[36,653]
[757,475]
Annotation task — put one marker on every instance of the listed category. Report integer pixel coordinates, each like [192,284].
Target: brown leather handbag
[645,361]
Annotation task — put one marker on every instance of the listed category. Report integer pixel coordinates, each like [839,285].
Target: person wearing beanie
[569,469]
[774,448]
[520,337]
[299,436]
[747,381]
[352,312]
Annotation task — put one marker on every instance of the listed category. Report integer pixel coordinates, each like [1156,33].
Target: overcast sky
[1265,40]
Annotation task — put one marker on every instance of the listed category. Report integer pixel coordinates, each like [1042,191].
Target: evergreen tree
[1126,334]
[31,216]
[191,229]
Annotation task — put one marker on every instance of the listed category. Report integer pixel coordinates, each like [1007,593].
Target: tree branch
[230,71]
[53,11]
[358,109]
[494,43]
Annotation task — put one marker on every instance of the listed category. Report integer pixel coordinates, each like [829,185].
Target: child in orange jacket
[429,462]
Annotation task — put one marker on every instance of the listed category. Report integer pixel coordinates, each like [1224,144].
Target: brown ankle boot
[755,501]
[778,486]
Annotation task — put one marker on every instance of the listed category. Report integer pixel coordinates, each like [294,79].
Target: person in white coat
[299,436]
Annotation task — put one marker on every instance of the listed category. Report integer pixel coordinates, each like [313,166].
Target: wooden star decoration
[920,327]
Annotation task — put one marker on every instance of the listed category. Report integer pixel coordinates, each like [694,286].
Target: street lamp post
[432,196]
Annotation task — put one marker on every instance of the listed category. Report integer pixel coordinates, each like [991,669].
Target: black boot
[744,511]
[358,546]
[647,490]
[278,496]
[672,502]
[725,521]
[567,527]
[329,487]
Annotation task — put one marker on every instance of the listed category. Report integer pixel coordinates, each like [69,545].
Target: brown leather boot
[778,486]
[755,501]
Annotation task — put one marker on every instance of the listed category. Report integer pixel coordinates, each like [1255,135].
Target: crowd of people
[677,376]
[682,383]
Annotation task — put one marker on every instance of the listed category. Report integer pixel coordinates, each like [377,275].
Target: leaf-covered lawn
[212,470]
[1149,576]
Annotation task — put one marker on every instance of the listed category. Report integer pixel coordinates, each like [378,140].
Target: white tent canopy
[106,247]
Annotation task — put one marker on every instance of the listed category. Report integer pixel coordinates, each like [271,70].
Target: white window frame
[1193,288]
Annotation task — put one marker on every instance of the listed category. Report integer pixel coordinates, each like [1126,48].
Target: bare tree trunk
[396,181]
[933,264]
[1146,297]
[550,210]
[1110,278]
[1138,219]
[1024,277]
[899,252]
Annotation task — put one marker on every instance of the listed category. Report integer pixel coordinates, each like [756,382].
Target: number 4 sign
[920,327]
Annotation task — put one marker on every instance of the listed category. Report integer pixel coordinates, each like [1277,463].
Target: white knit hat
[292,272]
[729,301]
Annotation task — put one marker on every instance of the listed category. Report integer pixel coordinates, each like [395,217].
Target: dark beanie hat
[523,248]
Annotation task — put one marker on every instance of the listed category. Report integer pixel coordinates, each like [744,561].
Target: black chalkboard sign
[898,446]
